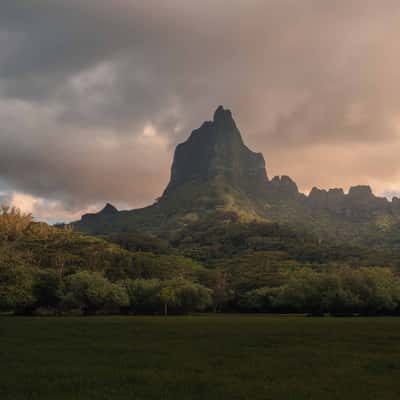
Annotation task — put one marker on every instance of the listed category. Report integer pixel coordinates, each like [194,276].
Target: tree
[169,297]
[260,300]
[13,223]
[144,295]
[184,296]
[16,283]
[118,298]
[221,293]
[378,289]
[344,290]
[47,289]
[93,292]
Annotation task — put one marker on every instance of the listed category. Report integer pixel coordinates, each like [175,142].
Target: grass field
[199,357]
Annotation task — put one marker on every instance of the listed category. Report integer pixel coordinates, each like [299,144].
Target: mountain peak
[223,115]
[284,186]
[216,150]
[361,191]
[109,209]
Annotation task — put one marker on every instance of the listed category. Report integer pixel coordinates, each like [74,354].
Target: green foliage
[144,295]
[16,288]
[248,266]
[223,236]
[367,291]
[93,292]
[181,295]
[13,223]
[261,299]
[177,295]
[47,289]
[137,242]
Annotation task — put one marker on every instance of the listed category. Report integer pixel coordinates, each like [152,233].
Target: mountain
[216,151]
[214,172]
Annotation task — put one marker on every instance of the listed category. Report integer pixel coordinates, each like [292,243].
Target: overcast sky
[95,94]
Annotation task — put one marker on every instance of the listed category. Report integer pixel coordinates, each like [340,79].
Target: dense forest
[216,264]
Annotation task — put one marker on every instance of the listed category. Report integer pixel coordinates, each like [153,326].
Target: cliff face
[359,202]
[216,151]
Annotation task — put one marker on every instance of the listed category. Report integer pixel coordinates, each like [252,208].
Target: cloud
[43,209]
[94,96]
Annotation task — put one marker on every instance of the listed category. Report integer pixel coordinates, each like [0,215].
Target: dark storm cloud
[95,94]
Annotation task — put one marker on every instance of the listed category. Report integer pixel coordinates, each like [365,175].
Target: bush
[16,283]
[92,292]
[47,289]
[182,296]
[144,295]
[344,291]
[259,300]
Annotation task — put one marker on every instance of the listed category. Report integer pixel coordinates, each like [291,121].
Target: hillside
[220,262]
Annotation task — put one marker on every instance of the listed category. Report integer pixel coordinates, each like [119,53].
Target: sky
[95,94]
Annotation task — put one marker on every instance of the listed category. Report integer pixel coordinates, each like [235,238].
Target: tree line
[49,270]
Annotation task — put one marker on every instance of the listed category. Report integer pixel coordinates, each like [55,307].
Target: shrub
[93,292]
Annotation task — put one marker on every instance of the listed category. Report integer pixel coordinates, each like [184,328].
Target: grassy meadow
[199,357]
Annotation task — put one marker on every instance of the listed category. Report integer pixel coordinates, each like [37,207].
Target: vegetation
[365,291]
[216,264]
[51,270]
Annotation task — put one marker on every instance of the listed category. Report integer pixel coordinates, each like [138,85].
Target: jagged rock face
[283,187]
[362,196]
[216,150]
[332,199]
[360,202]
[361,192]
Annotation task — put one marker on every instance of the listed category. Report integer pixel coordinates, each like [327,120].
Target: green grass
[200,357]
